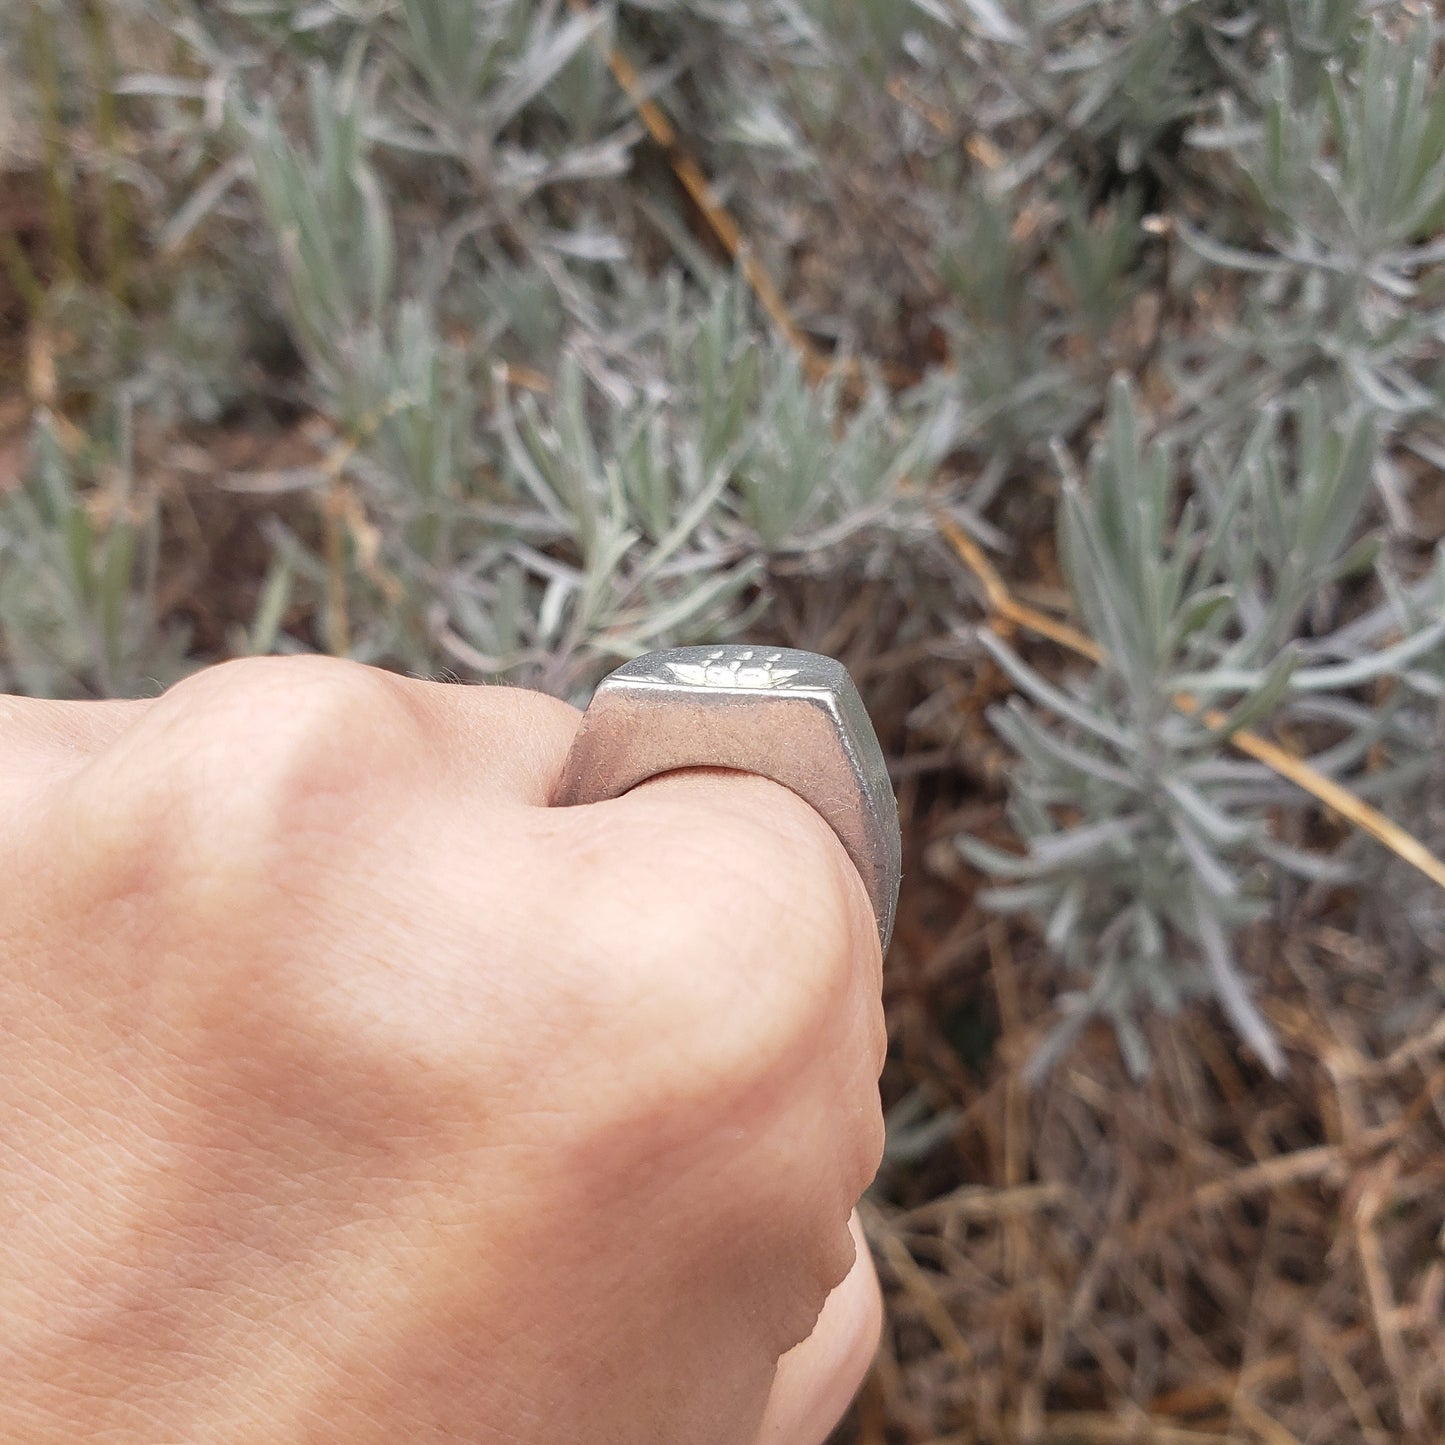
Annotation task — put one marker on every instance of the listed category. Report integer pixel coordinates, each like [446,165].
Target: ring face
[794,717]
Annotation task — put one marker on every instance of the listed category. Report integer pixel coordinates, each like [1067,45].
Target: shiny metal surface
[794,717]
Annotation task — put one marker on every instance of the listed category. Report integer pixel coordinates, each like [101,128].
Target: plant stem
[21,272]
[45,67]
[114,220]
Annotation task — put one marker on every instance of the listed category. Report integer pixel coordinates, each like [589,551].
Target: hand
[349,1093]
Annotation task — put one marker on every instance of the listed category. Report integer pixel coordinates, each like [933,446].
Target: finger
[746,895]
[505,742]
[817,1380]
[756,836]
[736,959]
[748,902]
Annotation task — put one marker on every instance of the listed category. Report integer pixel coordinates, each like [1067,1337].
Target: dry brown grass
[1208,1256]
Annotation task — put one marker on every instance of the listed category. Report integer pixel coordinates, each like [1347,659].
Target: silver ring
[794,717]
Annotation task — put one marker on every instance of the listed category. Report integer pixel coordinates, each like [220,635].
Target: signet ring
[794,717]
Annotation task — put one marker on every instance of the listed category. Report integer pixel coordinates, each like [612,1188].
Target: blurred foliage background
[1073,369]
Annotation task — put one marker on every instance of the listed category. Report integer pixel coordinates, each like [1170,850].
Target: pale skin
[350,1094]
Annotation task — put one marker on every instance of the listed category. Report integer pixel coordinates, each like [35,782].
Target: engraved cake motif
[743,669]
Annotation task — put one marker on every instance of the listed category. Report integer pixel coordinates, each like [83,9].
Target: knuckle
[285,714]
[239,768]
[272,729]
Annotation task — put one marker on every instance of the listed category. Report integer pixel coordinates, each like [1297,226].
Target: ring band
[794,717]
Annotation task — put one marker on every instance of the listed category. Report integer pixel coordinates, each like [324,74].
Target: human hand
[348,1093]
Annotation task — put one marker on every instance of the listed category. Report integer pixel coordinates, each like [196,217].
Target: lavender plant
[1149,845]
[79,557]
